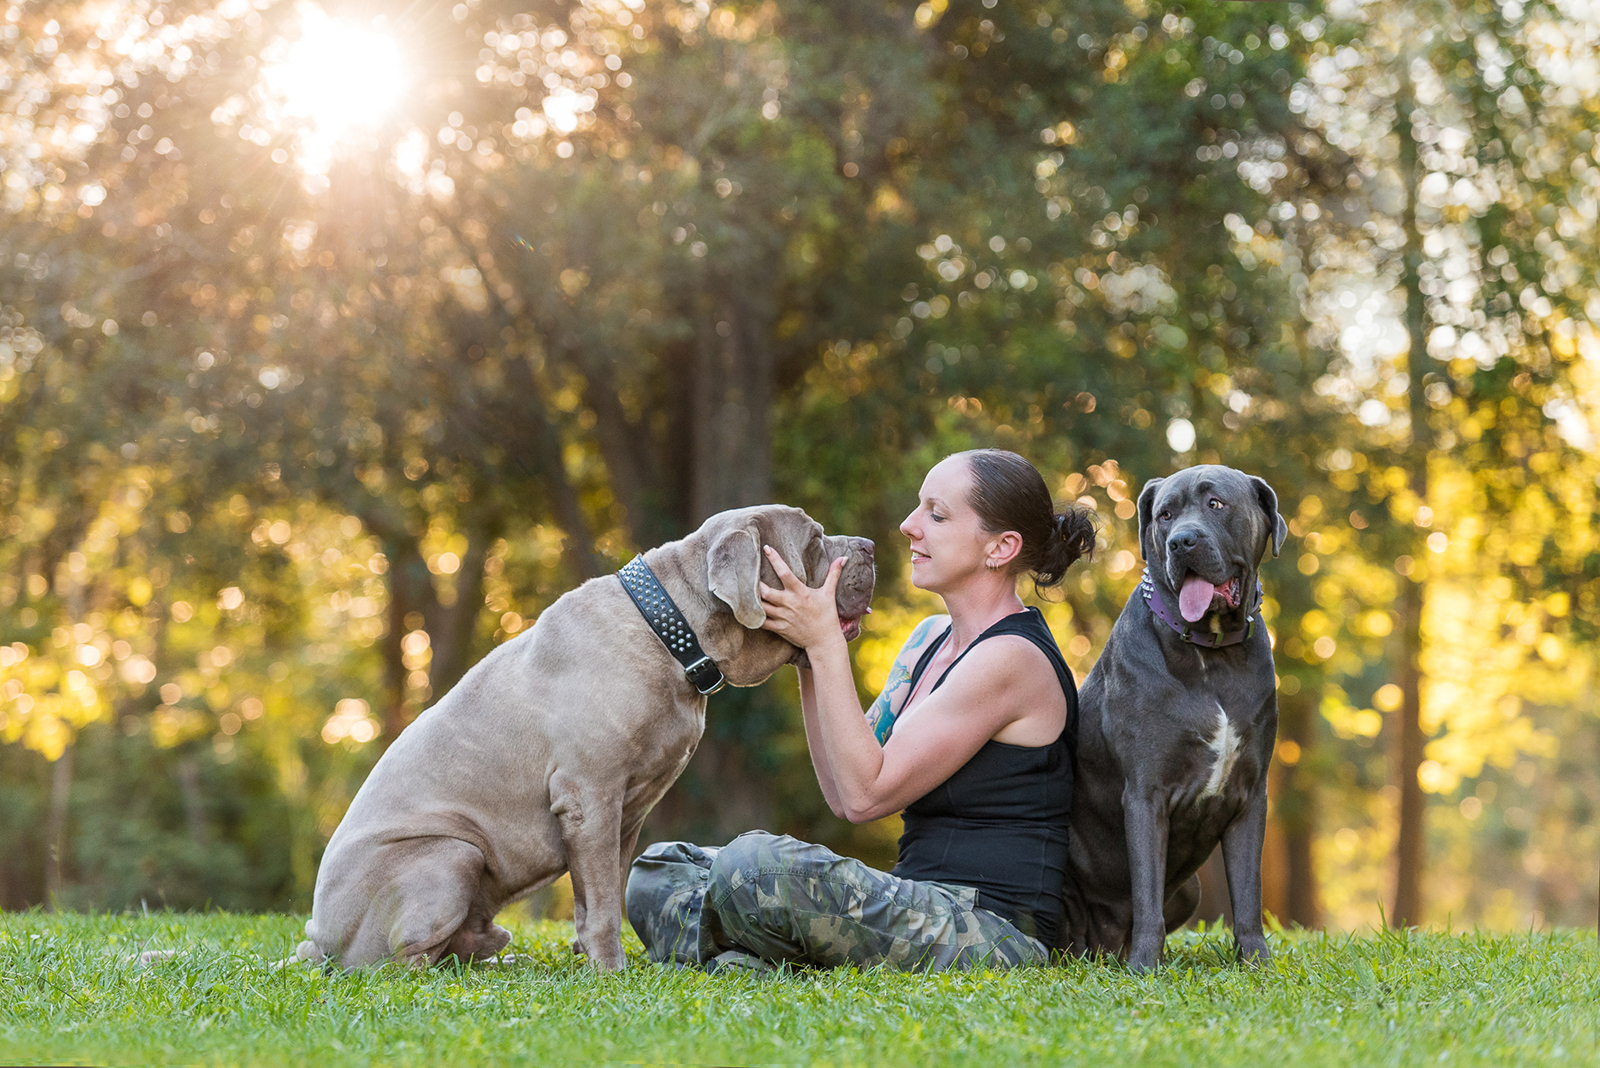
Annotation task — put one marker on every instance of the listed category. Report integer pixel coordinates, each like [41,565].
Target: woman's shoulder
[924,634]
[930,627]
[1022,646]
[1027,625]
[1008,650]
[1020,642]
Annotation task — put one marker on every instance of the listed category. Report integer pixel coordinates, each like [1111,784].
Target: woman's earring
[991,565]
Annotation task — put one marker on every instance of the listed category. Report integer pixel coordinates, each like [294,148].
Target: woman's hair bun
[1074,539]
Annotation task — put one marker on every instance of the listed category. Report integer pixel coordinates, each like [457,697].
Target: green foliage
[291,435]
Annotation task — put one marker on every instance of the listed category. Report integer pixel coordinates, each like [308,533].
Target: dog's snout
[1183,540]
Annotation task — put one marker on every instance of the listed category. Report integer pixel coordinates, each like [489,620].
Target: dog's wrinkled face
[736,566]
[1204,532]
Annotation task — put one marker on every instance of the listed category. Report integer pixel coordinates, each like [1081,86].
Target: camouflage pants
[764,899]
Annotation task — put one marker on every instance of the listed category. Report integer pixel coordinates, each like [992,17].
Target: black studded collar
[658,609]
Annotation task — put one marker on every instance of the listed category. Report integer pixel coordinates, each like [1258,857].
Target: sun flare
[338,77]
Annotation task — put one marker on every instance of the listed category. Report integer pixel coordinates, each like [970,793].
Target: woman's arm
[880,717]
[994,685]
[814,743]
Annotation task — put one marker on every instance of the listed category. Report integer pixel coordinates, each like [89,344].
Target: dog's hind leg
[591,832]
[417,914]
[478,937]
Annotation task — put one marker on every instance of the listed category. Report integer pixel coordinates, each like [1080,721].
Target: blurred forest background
[336,342]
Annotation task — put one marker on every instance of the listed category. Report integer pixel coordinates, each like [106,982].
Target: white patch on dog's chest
[1224,743]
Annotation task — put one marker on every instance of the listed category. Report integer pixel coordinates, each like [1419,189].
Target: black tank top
[999,824]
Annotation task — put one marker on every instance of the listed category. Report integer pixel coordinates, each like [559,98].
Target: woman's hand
[797,613]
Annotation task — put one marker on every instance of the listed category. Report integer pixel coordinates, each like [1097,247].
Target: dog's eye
[1215,503]
[1163,515]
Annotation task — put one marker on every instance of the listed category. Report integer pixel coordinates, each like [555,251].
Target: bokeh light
[338,76]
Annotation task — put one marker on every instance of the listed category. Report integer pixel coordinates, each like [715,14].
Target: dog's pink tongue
[1195,598]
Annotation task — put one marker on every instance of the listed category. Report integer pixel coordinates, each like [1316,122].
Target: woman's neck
[978,606]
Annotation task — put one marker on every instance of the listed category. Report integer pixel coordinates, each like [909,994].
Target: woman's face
[948,542]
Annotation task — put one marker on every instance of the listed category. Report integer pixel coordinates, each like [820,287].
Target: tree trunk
[1274,851]
[55,827]
[730,466]
[450,627]
[1406,739]
[630,459]
[732,457]
[1295,810]
[410,594]
[194,809]
[578,549]
[1406,742]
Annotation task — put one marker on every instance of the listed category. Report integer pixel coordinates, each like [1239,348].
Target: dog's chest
[1222,747]
[1222,719]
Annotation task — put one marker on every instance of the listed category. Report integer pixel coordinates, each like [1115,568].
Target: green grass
[71,990]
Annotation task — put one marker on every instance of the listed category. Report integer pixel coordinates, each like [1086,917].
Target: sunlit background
[336,341]
[336,79]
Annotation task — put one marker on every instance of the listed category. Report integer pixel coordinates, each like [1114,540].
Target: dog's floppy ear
[1269,505]
[1147,502]
[733,567]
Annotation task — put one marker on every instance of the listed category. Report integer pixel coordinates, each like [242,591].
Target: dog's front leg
[591,832]
[1145,818]
[1241,858]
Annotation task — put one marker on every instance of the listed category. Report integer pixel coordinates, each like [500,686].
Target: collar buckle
[705,676]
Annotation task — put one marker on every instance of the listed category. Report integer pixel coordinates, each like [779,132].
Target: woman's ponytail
[1008,493]
[1072,538]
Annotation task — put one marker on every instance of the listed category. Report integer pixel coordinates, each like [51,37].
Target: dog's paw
[602,958]
[1254,951]
[1143,960]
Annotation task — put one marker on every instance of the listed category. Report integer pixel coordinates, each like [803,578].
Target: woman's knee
[665,888]
[662,875]
[745,858]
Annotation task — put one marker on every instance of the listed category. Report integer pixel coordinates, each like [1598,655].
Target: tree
[1468,153]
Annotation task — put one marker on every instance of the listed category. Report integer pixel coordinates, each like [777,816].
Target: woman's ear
[733,570]
[1002,550]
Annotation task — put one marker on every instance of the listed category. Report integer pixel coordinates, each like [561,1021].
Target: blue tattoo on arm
[882,714]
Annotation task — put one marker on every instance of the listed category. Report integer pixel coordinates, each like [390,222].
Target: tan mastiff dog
[547,755]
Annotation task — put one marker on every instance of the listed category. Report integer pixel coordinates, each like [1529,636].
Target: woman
[971,738]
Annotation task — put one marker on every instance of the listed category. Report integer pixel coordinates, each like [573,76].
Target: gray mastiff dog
[1177,722]
[547,755]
